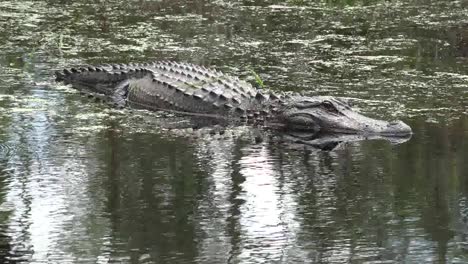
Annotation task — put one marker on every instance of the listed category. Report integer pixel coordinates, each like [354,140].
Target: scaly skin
[196,90]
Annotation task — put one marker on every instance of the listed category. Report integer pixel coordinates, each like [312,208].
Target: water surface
[83,183]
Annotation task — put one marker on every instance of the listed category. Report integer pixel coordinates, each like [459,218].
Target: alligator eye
[329,106]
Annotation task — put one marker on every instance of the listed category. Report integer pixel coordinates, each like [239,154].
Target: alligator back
[165,85]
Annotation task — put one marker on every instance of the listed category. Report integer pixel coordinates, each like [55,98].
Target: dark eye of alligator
[329,106]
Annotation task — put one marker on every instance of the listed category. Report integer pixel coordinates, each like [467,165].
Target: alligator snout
[397,127]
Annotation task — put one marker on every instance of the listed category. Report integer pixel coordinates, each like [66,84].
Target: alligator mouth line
[385,129]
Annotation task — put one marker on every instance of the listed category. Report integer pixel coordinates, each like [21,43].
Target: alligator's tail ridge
[92,79]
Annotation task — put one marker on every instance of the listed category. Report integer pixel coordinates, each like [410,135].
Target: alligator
[191,89]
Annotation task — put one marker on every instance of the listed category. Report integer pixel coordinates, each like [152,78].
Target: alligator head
[331,115]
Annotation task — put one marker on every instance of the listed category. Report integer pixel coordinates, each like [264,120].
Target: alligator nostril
[394,123]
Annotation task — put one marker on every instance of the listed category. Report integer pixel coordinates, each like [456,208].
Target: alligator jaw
[355,123]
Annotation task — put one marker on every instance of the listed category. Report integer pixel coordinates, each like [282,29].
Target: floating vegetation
[258,79]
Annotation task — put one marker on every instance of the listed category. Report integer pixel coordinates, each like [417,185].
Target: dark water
[82,183]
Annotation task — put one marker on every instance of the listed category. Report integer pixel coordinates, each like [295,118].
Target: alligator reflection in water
[232,200]
[222,129]
[332,141]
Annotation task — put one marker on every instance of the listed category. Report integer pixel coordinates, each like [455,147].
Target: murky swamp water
[83,183]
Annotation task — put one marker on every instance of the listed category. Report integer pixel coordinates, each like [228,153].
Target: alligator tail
[59,76]
[89,79]
[107,83]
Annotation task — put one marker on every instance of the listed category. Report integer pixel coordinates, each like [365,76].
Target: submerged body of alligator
[196,90]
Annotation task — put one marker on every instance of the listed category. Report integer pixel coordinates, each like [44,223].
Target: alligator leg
[119,97]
